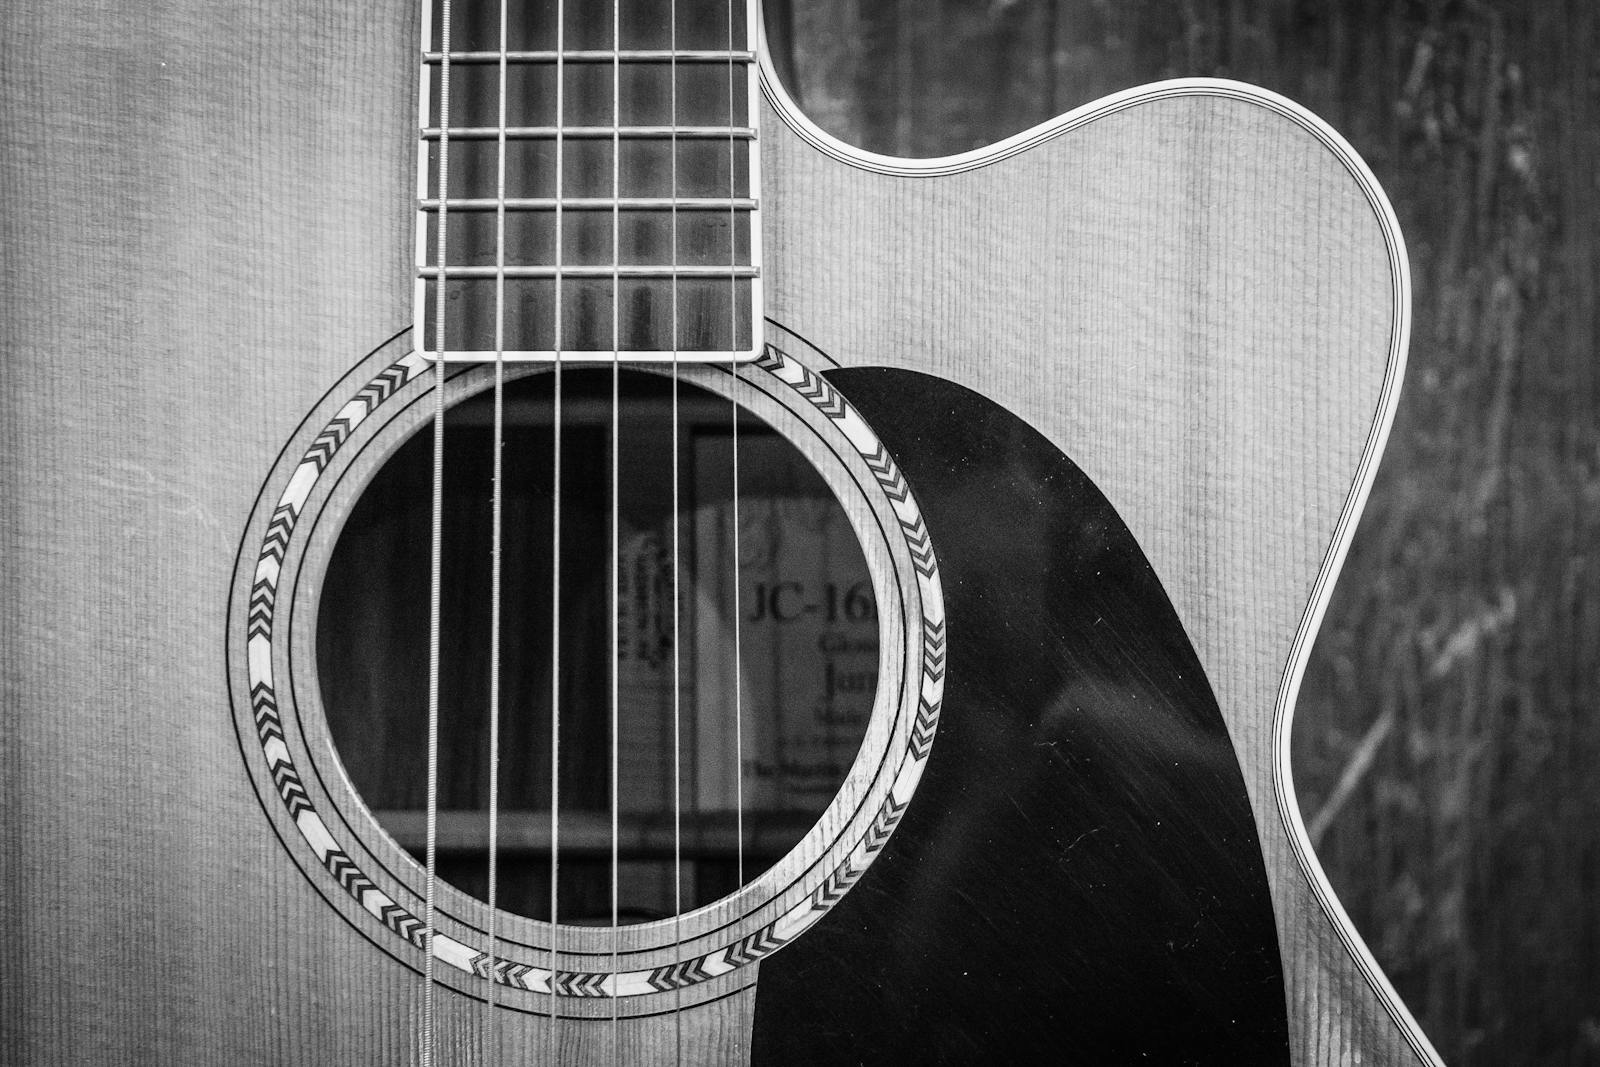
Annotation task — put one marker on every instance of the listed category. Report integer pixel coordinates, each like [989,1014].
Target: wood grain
[1193,299]
[209,215]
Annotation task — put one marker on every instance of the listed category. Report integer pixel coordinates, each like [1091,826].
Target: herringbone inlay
[907,760]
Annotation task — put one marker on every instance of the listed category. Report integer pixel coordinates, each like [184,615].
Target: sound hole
[807,641]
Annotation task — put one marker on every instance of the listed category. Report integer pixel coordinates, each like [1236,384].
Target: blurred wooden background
[1449,729]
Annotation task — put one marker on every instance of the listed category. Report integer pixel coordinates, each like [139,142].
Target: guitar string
[616,501]
[677,654]
[436,551]
[497,494]
[733,365]
[552,1043]
[436,545]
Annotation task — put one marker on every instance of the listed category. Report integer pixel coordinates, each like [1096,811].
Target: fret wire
[597,203]
[640,55]
[595,133]
[752,77]
[745,286]
[596,355]
[621,270]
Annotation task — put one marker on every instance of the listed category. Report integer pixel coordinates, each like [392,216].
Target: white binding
[1355,502]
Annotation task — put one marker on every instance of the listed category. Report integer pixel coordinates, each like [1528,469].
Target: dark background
[1447,737]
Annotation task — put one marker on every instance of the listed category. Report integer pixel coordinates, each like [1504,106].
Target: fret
[595,133]
[706,324]
[573,203]
[647,55]
[645,26]
[679,229]
[600,270]
[644,238]
[646,165]
[642,95]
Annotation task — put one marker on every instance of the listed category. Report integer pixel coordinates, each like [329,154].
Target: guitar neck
[599,159]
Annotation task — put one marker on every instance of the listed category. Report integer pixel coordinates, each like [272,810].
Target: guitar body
[1163,333]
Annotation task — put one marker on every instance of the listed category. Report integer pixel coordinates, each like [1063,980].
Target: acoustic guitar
[521,548]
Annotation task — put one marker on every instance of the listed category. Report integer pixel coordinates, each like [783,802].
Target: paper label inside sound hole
[806,642]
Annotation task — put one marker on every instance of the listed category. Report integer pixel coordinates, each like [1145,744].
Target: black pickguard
[1078,879]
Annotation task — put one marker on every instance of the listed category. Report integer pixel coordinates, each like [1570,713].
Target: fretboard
[600,188]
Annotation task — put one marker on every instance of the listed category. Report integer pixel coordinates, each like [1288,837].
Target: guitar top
[585,567]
